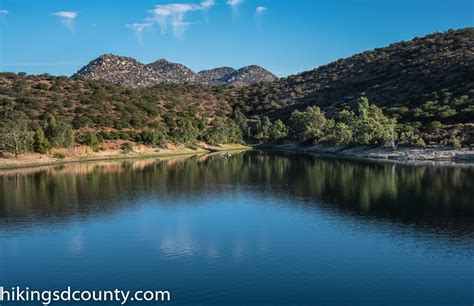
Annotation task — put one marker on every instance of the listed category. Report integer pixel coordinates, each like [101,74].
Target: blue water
[257,228]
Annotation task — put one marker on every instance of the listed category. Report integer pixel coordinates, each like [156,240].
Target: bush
[59,132]
[153,137]
[126,147]
[307,125]
[278,131]
[435,125]
[223,131]
[59,155]
[92,140]
[410,135]
[455,141]
[40,142]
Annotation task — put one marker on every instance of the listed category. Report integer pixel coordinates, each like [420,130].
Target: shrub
[59,155]
[59,133]
[435,125]
[454,140]
[307,125]
[40,142]
[126,147]
[278,130]
[92,140]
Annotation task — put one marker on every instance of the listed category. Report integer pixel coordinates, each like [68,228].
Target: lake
[255,228]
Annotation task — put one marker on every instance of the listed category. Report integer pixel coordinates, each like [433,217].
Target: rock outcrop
[173,72]
[129,72]
[121,70]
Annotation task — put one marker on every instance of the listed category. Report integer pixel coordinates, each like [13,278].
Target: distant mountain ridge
[129,72]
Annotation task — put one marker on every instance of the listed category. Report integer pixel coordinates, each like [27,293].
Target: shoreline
[32,160]
[401,155]
[436,155]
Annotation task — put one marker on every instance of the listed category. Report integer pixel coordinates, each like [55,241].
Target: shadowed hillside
[425,79]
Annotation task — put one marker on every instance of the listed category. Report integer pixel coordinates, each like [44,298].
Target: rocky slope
[128,72]
[214,76]
[172,72]
[248,75]
[122,71]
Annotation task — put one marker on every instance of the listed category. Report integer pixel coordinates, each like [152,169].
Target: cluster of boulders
[129,72]
[121,70]
[215,76]
[172,72]
[248,75]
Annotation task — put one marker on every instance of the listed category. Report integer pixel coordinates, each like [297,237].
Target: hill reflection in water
[432,197]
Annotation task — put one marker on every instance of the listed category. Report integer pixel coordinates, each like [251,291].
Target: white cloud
[207,3]
[3,12]
[260,9]
[67,18]
[67,15]
[171,15]
[138,28]
[234,3]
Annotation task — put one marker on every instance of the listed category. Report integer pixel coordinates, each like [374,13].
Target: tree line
[366,125]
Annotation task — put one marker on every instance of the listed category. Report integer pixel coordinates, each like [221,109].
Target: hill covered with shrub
[426,79]
[409,93]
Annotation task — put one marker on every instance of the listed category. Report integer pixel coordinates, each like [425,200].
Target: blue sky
[284,36]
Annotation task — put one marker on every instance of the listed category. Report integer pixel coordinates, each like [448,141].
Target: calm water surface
[256,228]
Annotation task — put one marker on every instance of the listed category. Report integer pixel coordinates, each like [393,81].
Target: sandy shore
[9,161]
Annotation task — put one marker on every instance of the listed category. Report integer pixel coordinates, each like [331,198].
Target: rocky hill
[425,79]
[129,72]
[214,76]
[248,75]
[173,72]
[121,70]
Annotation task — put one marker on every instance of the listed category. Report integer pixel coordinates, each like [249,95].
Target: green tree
[241,120]
[454,140]
[59,132]
[435,126]
[262,129]
[40,142]
[156,136]
[371,126]
[14,134]
[278,130]
[342,134]
[409,135]
[223,131]
[92,140]
[307,125]
[185,131]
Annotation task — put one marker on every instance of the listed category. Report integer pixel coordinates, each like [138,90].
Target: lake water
[256,228]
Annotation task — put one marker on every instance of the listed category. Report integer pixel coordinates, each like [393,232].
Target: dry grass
[75,151]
